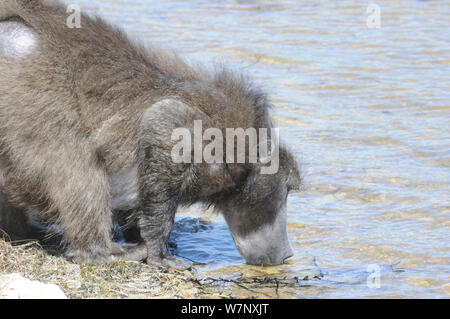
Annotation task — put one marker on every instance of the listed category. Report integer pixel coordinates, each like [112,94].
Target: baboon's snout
[263,251]
[267,245]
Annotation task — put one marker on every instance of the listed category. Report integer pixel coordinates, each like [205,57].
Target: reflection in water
[366,110]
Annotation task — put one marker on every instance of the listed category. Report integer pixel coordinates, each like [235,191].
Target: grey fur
[87,105]
[13,222]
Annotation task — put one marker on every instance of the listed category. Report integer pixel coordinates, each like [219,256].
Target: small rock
[14,286]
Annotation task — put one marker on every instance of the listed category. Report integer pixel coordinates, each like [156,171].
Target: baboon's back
[94,83]
[70,84]
[96,64]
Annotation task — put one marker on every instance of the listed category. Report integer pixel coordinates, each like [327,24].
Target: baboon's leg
[130,252]
[156,224]
[160,179]
[77,187]
[83,205]
[13,221]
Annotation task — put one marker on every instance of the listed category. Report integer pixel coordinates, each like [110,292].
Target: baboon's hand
[130,252]
[169,261]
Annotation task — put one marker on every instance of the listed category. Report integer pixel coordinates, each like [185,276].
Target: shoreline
[136,280]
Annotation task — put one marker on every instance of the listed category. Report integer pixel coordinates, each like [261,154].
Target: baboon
[13,222]
[86,117]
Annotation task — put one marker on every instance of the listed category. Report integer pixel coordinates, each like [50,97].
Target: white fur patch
[16,39]
[124,189]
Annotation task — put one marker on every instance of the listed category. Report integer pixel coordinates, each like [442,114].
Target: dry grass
[138,280]
[116,280]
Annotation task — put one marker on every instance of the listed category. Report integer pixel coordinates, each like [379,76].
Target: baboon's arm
[161,180]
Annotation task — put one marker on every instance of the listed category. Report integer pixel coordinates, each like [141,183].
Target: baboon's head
[256,213]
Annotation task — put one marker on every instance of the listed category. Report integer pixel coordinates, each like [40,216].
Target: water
[366,110]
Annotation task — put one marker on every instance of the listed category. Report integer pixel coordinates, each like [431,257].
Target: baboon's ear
[291,168]
[294,181]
